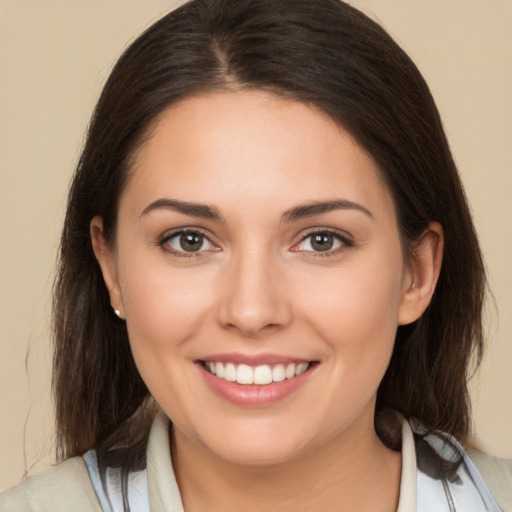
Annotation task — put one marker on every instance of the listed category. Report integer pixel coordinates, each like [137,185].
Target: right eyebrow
[202,211]
[319,207]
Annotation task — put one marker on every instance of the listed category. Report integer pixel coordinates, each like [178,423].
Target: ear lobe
[421,279]
[107,261]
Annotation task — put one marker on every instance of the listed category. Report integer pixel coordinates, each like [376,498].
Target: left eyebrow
[202,211]
[319,207]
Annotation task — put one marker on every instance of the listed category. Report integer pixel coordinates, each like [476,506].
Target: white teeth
[278,373]
[259,375]
[219,370]
[230,372]
[301,368]
[244,374]
[262,375]
[290,371]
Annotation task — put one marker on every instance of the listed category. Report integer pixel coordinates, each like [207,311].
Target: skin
[259,286]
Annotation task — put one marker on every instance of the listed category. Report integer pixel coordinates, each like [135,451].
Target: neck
[353,471]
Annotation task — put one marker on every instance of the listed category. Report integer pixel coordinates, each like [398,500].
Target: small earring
[413,285]
[118,313]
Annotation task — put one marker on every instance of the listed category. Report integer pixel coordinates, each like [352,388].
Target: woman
[266,236]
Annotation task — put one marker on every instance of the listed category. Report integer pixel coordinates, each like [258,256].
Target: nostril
[253,330]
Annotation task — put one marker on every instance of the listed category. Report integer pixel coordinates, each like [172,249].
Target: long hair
[323,53]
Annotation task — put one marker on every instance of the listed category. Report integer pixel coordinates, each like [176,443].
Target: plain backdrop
[54,58]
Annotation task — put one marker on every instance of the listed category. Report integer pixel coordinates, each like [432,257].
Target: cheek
[165,310]
[164,306]
[357,312]
[358,296]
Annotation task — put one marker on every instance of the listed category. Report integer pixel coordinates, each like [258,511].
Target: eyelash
[180,232]
[346,243]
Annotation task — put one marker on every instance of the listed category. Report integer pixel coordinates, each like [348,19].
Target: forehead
[251,146]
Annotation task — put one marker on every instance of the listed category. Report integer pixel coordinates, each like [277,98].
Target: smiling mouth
[260,375]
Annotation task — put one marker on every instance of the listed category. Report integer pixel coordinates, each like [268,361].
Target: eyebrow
[205,211]
[202,211]
[319,207]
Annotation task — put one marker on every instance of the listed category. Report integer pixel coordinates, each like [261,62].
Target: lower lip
[252,394]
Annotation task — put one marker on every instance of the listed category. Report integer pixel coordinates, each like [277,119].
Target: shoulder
[497,473]
[469,479]
[65,487]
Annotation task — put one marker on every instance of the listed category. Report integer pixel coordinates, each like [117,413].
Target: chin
[258,446]
[256,455]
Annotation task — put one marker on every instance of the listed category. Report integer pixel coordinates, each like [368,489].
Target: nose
[254,300]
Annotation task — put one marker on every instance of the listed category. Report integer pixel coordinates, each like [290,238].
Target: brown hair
[323,53]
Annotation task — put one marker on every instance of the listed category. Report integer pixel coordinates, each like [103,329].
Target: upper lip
[253,359]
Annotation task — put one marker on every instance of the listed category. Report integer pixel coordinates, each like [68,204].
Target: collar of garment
[423,487]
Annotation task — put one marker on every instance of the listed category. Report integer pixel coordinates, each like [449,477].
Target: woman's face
[256,241]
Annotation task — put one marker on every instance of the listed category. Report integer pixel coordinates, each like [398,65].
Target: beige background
[54,57]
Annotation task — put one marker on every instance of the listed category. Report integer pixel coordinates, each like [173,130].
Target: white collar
[407,500]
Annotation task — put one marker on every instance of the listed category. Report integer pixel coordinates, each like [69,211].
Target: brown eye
[322,241]
[191,242]
[183,242]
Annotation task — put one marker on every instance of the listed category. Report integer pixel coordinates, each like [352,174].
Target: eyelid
[162,241]
[341,236]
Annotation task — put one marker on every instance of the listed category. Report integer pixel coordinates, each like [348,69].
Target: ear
[106,258]
[422,274]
